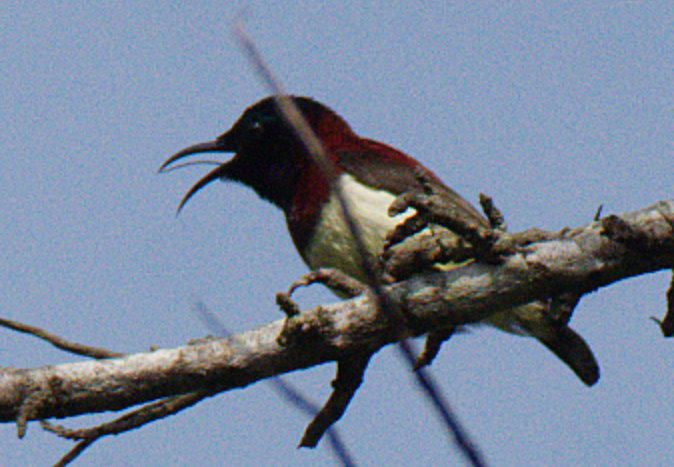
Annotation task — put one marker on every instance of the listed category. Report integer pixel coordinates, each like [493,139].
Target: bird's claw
[332,278]
[421,252]
[294,326]
[454,234]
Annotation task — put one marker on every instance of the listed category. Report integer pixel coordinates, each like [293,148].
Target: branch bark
[576,261]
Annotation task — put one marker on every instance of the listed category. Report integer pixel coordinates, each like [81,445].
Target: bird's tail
[534,319]
[572,349]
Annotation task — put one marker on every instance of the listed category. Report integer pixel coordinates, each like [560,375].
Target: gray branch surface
[579,260]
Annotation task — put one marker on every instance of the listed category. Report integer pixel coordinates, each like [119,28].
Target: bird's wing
[383,167]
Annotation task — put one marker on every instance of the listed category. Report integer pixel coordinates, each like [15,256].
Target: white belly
[332,245]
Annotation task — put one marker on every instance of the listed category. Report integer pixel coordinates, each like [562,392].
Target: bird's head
[268,156]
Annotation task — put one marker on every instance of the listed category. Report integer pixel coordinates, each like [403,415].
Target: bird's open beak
[219,145]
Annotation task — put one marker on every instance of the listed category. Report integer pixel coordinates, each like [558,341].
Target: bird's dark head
[268,156]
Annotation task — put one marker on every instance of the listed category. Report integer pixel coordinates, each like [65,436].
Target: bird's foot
[303,329]
[420,252]
[334,279]
[455,235]
[433,206]
[290,325]
[295,326]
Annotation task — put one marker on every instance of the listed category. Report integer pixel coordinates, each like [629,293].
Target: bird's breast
[331,244]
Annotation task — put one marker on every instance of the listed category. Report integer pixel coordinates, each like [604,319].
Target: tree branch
[577,261]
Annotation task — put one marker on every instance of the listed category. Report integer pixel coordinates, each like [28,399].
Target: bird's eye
[259,123]
[255,127]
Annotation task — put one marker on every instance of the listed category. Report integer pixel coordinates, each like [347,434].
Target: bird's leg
[419,254]
[453,236]
[287,305]
[332,278]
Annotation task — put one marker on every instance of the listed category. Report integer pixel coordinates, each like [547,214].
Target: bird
[269,157]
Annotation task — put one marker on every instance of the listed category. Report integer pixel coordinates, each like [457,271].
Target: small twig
[292,395]
[136,419]
[667,323]
[494,215]
[432,346]
[28,409]
[450,421]
[74,453]
[597,215]
[350,371]
[59,342]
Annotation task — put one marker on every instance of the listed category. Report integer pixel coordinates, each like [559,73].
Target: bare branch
[146,414]
[350,372]
[87,437]
[59,342]
[582,261]
[71,455]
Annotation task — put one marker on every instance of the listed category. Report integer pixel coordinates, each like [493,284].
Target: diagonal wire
[382,301]
[284,389]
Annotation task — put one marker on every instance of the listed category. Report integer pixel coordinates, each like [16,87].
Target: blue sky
[552,108]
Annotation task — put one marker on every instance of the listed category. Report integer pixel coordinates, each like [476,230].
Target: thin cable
[318,154]
[283,389]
